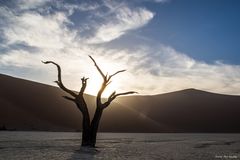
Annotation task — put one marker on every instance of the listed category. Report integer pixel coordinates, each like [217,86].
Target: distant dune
[27,105]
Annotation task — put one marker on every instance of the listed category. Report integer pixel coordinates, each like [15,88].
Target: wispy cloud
[31,4]
[121,20]
[150,69]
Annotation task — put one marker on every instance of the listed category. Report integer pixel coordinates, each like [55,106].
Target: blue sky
[165,45]
[205,30]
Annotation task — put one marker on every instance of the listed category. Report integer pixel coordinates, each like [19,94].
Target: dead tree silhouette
[89,128]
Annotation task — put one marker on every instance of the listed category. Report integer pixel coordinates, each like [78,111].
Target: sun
[95,79]
[94,85]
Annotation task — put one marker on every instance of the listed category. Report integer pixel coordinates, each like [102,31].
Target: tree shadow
[87,153]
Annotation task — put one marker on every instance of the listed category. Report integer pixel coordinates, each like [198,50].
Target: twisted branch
[59,81]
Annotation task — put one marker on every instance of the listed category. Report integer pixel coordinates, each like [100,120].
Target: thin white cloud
[87,6]
[71,7]
[122,20]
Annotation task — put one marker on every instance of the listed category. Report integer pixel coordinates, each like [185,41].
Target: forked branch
[106,82]
[114,95]
[106,78]
[84,85]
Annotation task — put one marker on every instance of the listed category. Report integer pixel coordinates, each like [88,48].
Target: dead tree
[89,128]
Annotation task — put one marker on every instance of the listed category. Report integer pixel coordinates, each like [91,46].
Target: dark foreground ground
[63,145]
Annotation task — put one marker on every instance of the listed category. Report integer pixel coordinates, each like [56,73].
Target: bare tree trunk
[94,125]
[89,132]
[86,131]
